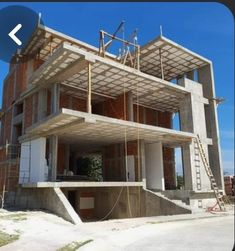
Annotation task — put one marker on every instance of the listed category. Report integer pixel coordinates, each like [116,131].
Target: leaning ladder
[218,194]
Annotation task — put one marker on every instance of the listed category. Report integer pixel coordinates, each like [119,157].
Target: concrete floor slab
[76,126]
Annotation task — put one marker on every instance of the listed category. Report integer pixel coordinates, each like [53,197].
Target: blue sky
[205,28]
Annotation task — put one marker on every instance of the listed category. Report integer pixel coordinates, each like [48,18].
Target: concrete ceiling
[90,129]
[68,65]
[176,60]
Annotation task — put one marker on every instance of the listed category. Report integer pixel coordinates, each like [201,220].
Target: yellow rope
[126,163]
[138,147]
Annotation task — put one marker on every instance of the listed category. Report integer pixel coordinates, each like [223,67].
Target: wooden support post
[89,88]
[162,71]
[138,57]
[102,44]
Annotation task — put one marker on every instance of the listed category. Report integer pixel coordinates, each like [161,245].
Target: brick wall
[79,104]
[73,103]
[113,108]
[28,112]
[2,154]
[8,92]
[114,161]
[114,167]
[139,114]
[61,159]
[64,101]
[17,78]
[6,127]
[151,117]
[229,185]
[169,167]
[165,119]
[21,79]
[9,175]
[37,63]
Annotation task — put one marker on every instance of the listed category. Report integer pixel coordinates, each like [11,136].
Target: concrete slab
[177,60]
[67,65]
[70,184]
[75,126]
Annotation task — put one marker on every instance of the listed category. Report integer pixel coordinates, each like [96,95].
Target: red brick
[169,167]
[21,79]
[28,112]
[61,159]
[165,119]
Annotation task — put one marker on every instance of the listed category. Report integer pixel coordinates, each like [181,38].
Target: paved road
[202,234]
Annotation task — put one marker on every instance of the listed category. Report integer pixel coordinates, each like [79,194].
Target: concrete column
[188,167]
[37,160]
[206,78]
[192,119]
[55,94]
[25,160]
[53,150]
[154,166]
[142,161]
[186,114]
[130,106]
[42,104]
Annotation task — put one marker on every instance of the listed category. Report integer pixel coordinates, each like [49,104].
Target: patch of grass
[74,245]
[7,238]
[15,217]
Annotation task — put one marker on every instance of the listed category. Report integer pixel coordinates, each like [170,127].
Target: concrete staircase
[179,203]
[179,200]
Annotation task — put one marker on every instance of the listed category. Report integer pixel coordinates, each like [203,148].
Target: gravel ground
[40,230]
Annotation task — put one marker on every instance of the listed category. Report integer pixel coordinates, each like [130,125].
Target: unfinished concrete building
[74,102]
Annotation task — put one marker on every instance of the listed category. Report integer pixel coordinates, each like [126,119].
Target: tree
[90,166]
[180,181]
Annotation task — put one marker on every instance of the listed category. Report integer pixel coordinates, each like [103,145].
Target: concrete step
[180,201]
[176,202]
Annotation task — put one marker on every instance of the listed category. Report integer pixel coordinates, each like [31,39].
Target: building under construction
[89,134]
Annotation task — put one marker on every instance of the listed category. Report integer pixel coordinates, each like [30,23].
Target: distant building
[229,185]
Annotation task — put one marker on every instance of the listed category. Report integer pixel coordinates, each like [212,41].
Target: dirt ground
[38,230]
